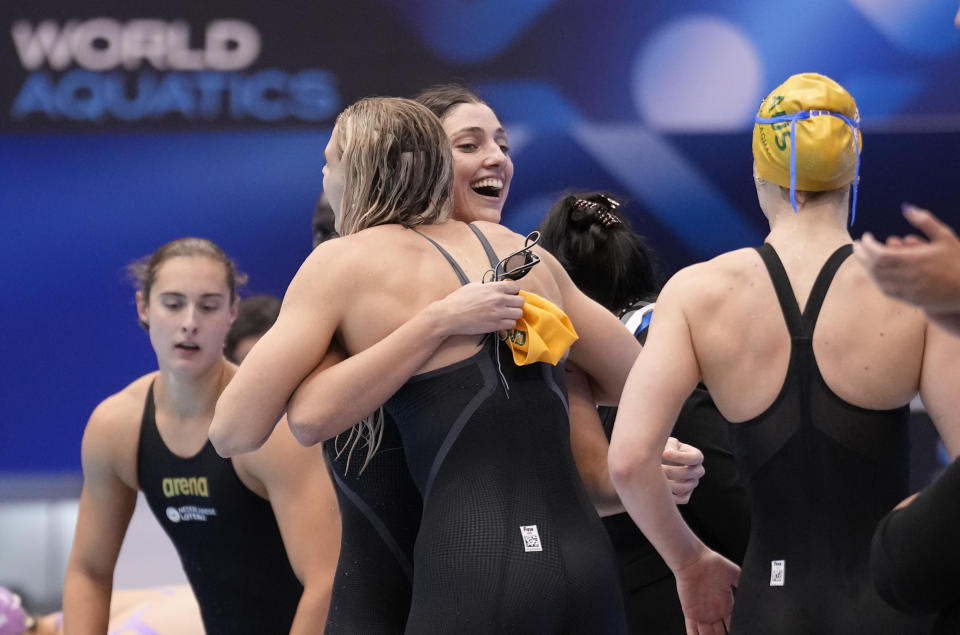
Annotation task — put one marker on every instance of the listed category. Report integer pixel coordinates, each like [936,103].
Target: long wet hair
[397,162]
[398,168]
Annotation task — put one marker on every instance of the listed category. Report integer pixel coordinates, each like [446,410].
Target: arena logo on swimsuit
[192,486]
[149,68]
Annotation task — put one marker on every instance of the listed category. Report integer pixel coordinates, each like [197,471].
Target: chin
[487,214]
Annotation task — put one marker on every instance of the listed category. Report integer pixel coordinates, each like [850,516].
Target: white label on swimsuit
[531,538]
[778,572]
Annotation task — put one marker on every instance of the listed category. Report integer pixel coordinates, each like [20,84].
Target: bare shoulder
[113,431]
[713,280]
[340,258]
[499,235]
[122,409]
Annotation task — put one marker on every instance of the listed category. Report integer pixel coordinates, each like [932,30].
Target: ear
[142,310]
[234,307]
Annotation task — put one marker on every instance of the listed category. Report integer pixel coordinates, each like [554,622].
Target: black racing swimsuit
[379,516]
[820,473]
[227,536]
[509,542]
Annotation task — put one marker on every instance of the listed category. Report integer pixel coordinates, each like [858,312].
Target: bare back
[399,272]
[869,349]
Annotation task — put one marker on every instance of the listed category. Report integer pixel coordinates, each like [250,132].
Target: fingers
[681,454]
[926,222]
[672,444]
[868,249]
[683,473]
[713,628]
[506,286]
[912,239]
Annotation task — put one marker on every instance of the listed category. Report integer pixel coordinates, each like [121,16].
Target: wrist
[692,554]
[435,320]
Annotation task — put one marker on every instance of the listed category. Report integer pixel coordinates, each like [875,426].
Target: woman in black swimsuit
[509,539]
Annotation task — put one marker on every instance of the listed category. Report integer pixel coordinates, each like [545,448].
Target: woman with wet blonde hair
[509,540]
[398,173]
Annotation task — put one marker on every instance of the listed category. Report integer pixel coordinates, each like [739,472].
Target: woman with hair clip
[607,260]
[257,535]
[508,540]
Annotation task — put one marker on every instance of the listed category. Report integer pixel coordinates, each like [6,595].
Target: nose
[189,324]
[493,156]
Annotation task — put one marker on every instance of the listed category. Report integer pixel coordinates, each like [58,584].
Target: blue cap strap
[854,124]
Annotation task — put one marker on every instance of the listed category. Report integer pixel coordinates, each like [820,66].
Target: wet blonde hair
[397,162]
[398,168]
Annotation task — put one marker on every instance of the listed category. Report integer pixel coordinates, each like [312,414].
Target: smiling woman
[482,167]
[508,540]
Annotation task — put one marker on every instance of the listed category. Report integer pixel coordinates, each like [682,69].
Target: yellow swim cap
[543,334]
[827,145]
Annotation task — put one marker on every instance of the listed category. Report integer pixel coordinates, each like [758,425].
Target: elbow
[222,442]
[621,468]
[628,467]
[230,442]
[307,430]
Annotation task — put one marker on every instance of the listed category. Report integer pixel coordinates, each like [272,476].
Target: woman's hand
[683,467]
[478,308]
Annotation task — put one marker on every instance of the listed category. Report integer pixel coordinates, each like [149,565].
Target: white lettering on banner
[104,43]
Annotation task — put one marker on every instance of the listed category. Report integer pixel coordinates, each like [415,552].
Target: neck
[194,396]
[817,222]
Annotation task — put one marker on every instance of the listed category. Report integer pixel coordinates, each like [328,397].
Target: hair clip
[603,211]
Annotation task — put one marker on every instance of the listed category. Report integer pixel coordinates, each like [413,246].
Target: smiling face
[482,168]
[188,313]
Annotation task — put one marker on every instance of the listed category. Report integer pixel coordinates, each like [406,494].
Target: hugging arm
[336,396]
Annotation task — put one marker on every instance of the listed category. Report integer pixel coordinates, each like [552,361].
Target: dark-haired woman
[611,263]
[257,535]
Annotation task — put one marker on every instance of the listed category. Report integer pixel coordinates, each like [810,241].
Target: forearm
[311,617]
[86,603]
[646,496]
[604,495]
[332,399]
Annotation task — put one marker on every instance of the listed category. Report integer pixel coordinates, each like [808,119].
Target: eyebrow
[203,296]
[499,132]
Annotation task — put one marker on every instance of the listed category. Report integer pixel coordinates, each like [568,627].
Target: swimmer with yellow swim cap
[815,369]
[807,137]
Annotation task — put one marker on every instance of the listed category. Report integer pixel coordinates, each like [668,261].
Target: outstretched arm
[922,272]
[662,378]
